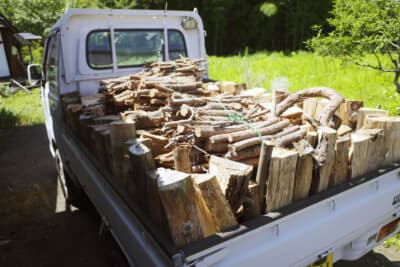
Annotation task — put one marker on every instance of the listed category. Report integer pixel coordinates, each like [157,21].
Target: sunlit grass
[305,70]
[394,241]
[21,109]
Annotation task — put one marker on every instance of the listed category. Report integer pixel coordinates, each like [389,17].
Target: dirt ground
[37,230]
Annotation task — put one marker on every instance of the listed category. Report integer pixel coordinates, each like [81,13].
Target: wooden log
[144,119]
[290,138]
[212,112]
[181,158]
[178,199]
[303,177]
[99,146]
[278,96]
[142,162]
[211,192]
[152,93]
[250,161]
[215,148]
[84,122]
[92,100]
[106,143]
[154,138]
[292,113]
[335,100]
[106,119]
[309,106]
[390,126]
[207,131]
[98,110]
[325,158]
[223,137]
[263,171]
[228,87]
[183,129]
[341,167]
[343,130]
[165,160]
[127,172]
[120,131]
[358,155]
[351,111]
[364,112]
[229,106]
[188,101]
[240,145]
[158,101]
[271,129]
[211,118]
[312,138]
[250,152]
[376,151]
[233,178]
[319,108]
[72,116]
[70,98]
[252,204]
[153,201]
[281,179]
[184,210]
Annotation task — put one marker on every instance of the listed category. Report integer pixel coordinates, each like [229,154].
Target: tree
[362,28]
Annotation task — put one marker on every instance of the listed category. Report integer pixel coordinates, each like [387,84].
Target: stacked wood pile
[201,156]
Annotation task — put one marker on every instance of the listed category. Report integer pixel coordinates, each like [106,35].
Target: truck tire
[73,192]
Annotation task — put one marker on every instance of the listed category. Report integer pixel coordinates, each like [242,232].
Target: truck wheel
[73,193]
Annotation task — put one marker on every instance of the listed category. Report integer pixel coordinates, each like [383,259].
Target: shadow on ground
[34,230]
[8,118]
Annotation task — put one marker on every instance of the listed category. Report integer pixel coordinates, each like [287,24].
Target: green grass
[21,109]
[304,70]
[394,241]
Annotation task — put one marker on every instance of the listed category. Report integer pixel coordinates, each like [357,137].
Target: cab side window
[52,65]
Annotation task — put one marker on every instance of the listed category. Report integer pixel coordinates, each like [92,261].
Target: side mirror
[34,74]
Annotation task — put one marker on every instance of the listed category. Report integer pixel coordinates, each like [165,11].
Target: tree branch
[395,45]
[393,60]
[369,65]
[379,61]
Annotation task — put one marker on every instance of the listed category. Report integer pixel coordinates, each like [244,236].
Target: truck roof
[121,12]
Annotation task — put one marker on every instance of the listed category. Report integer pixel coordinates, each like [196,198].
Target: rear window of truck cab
[132,47]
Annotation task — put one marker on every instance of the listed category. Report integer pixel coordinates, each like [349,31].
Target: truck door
[50,90]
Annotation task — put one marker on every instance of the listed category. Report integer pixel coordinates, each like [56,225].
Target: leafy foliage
[231,25]
[363,27]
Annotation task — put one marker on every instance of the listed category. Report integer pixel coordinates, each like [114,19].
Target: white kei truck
[89,45]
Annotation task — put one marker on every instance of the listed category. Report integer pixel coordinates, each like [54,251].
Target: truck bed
[333,220]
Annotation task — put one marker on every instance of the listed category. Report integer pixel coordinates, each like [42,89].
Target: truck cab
[87,46]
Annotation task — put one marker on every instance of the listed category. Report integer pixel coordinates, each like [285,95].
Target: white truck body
[344,220]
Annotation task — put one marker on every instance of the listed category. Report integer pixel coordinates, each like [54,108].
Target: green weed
[21,109]
[393,241]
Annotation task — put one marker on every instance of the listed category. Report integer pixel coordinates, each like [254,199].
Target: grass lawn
[304,70]
[21,109]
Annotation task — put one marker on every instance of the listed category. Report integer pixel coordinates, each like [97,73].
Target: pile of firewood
[200,156]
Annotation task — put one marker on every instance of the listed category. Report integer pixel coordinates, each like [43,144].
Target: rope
[239,117]
[176,80]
